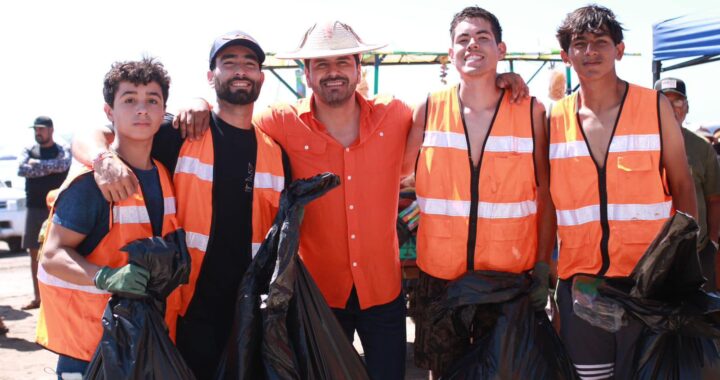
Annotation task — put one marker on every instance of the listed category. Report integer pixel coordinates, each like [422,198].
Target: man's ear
[211,78]
[502,48]
[565,58]
[620,50]
[109,113]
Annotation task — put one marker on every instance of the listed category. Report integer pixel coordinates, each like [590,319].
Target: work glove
[129,279]
[541,279]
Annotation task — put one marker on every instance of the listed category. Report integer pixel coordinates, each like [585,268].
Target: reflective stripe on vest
[194,188]
[69,322]
[607,217]
[504,210]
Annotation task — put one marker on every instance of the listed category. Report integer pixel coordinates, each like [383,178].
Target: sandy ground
[21,358]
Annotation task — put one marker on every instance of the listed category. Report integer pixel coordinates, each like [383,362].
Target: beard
[335,96]
[238,96]
[41,140]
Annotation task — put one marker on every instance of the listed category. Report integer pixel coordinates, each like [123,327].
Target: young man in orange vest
[82,264]
[617,172]
[481,179]
[228,185]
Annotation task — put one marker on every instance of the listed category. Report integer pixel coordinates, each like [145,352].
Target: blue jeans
[382,332]
[67,364]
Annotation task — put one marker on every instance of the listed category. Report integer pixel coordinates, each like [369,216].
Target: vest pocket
[575,238]
[510,174]
[508,231]
[635,172]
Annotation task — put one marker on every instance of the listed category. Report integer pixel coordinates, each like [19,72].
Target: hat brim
[674,92]
[39,126]
[327,53]
[241,42]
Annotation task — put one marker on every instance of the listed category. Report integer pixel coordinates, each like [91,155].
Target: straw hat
[329,39]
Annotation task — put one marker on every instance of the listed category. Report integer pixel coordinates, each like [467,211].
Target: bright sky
[55,53]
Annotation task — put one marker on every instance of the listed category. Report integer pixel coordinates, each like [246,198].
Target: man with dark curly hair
[81,264]
[617,173]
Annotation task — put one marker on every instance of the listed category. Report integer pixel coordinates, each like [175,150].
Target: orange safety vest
[70,316]
[607,217]
[486,216]
[194,184]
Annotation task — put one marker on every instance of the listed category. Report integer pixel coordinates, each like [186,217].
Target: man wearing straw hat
[348,239]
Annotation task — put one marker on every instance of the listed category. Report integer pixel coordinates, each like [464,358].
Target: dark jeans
[66,364]
[382,332]
[707,262]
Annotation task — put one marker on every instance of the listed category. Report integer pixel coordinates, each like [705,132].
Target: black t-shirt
[229,250]
[36,189]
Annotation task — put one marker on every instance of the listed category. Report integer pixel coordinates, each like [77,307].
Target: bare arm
[518,88]
[61,259]
[414,139]
[713,217]
[114,178]
[682,187]
[546,223]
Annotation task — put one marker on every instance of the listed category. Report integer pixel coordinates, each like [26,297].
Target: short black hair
[139,72]
[594,19]
[477,12]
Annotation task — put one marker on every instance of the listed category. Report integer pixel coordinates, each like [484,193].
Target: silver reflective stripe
[255,249]
[595,371]
[578,216]
[568,150]
[486,210]
[48,279]
[269,181]
[439,139]
[169,205]
[619,144]
[191,165]
[130,215]
[635,143]
[616,212]
[655,211]
[489,210]
[444,207]
[196,240]
[509,144]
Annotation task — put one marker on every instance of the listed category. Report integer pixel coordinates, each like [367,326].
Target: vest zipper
[475,181]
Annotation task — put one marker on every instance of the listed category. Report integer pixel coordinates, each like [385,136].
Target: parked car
[12,215]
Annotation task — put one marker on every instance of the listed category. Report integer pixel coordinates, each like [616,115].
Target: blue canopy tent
[695,37]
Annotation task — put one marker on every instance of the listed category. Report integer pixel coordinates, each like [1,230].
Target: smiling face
[137,111]
[593,55]
[237,77]
[474,48]
[334,79]
[44,136]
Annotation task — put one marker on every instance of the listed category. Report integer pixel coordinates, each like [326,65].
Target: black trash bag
[283,327]
[135,342]
[682,322]
[511,339]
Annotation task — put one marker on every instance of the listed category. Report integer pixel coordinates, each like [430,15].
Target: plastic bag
[135,342]
[682,322]
[283,327]
[589,305]
[512,340]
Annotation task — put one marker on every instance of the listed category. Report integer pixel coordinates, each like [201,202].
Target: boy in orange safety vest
[617,172]
[82,264]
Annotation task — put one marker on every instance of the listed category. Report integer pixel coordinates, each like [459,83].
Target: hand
[519,90]
[193,121]
[115,179]
[541,284]
[33,161]
[127,279]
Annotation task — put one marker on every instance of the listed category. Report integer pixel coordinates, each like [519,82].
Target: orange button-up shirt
[348,235]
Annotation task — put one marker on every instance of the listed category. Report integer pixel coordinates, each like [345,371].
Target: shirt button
[382,134]
[307,147]
[347,149]
[352,207]
[354,263]
[352,236]
[349,177]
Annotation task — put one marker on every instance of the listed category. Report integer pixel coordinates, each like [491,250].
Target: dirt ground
[21,358]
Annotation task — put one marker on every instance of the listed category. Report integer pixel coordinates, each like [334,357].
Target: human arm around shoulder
[193,119]
[114,178]
[675,163]
[414,138]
